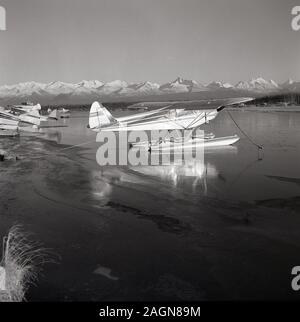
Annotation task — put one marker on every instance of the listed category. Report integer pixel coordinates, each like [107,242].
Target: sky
[154,40]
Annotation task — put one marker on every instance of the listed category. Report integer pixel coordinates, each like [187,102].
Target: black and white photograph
[149,153]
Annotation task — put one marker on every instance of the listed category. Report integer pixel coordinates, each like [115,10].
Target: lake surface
[228,228]
[239,172]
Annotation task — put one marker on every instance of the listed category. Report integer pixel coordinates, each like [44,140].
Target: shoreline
[289,109]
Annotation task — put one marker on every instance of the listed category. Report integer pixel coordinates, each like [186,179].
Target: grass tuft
[22,260]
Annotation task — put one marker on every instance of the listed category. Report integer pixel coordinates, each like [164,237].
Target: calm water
[240,172]
[225,229]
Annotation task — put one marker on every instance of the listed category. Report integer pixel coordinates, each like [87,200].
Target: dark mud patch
[164,223]
[286,179]
[169,286]
[291,204]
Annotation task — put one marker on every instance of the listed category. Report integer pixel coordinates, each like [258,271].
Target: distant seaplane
[10,120]
[31,113]
[178,116]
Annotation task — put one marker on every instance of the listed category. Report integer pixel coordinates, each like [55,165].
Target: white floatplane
[8,125]
[29,114]
[64,113]
[20,116]
[64,110]
[26,108]
[182,115]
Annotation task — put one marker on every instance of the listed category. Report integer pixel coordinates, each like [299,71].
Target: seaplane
[31,113]
[170,116]
[64,113]
[26,107]
[28,114]
[8,124]
[64,110]
[21,117]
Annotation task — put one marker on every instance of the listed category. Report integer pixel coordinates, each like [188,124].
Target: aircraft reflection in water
[198,171]
[45,134]
[194,173]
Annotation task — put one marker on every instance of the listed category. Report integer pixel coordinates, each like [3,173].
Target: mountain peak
[179,80]
[87,90]
[181,85]
[216,84]
[90,83]
[257,84]
[117,83]
[288,82]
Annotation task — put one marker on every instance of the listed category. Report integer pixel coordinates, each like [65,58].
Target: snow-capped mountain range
[88,90]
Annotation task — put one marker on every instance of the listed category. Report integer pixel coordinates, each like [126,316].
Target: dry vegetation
[22,260]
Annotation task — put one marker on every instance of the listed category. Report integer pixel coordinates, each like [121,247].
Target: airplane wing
[26,108]
[206,104]
[161,115]
[32,117]
[19,110]
[8,115]
[29,107]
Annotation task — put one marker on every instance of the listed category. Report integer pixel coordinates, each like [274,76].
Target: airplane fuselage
[178,119]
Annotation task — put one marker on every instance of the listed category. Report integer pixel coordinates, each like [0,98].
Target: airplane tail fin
[99,116]
[53,115]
